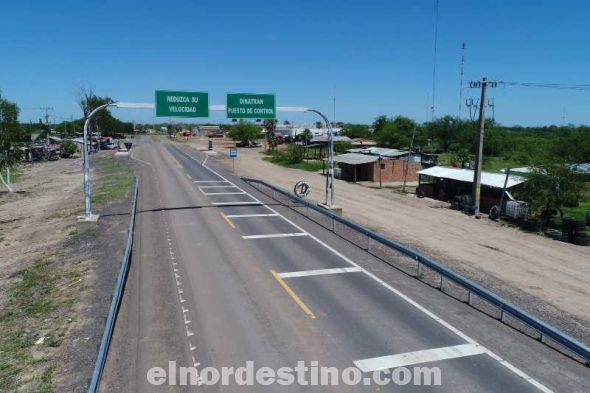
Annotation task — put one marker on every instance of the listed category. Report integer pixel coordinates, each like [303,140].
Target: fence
[116,300]
[428,270]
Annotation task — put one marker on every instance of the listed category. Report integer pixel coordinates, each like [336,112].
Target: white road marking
[210,181]
[225,193]
[273,235]
[237,203]
[425,356]
[319,272]
[450,327]
[218,187]
[250,215]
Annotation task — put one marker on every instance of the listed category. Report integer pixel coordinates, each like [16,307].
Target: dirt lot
[546,277]
[55,275]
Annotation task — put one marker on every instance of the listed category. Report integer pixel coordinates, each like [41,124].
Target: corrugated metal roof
[466,175]
[380,151]
[355,158]
[324,138]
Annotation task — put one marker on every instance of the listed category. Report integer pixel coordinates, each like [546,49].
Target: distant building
[378,164]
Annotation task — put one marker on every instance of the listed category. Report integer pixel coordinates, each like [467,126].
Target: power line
[461,81]
[560,86]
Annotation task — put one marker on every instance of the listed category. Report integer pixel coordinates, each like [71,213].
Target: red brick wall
[394,170]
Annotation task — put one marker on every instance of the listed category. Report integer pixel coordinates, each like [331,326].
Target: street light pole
[88,216]
[330,177]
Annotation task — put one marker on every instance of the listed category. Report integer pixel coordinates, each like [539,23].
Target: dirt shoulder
[56,275]
[545,277]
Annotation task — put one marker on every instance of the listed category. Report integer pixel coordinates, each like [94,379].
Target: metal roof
[380,151]
[489,179]
[355,159]
[324,138]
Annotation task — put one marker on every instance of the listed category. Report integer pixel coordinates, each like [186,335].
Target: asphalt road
[221,276]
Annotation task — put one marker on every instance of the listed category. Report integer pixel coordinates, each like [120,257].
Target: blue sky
[378,53]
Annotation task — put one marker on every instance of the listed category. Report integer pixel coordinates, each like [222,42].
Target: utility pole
[479,151]
[46,109]
[408,160]
[461,81]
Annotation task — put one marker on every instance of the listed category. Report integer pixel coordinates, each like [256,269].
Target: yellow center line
[231,224]
[293,295]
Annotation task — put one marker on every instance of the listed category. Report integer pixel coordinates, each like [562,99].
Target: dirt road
[546,277]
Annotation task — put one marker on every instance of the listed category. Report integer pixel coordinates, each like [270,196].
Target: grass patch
[115,181]
[16,173]
[279,158]
[35,309]
[495,164]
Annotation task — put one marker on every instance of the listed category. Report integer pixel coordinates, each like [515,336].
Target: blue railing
[116,300]
[544,329]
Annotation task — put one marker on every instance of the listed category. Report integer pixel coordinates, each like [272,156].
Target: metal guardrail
[116,300]
[544,329]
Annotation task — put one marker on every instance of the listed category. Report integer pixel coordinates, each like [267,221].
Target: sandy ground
[38,222]
[35,211]
[524,267]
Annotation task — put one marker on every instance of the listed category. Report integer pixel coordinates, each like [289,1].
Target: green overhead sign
[182,104]
[251,106]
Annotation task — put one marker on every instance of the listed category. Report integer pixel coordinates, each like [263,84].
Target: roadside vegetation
[294,157]
[34,323]
[116,180]
[41,299]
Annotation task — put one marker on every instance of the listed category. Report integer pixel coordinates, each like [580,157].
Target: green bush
[294,154]
[68,149]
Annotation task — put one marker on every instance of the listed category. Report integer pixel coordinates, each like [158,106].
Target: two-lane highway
[221,277]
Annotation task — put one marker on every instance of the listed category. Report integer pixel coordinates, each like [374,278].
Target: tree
[270,126]
[319,124]
[10,133]
[103,121]
[379,123]
[306,135]
[394,133]
[451,133]
[356,131]
[244,132]
[10,130]
[551,186]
